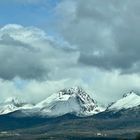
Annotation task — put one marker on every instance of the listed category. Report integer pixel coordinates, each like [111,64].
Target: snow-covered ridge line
[13,104]
[71,100]
[128,100]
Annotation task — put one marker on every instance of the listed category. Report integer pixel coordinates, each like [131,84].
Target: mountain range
[71,110]
[72,100]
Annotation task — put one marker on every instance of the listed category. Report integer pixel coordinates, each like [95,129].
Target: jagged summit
[76,91]
[69,100]
[73,90]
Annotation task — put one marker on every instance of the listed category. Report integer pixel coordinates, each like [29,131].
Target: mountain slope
[13,104]
[128,107]
[71,125]
[129,100]
[72,100]
[120,119]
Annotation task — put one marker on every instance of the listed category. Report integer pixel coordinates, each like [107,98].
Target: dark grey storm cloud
[106,33]
[17,59]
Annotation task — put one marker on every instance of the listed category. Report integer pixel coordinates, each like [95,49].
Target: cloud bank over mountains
[93,44]
[29,53]
[106,33]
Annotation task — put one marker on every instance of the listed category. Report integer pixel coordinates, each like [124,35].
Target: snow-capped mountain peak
[129,100]
[12,104]
[71,91]
[70,100]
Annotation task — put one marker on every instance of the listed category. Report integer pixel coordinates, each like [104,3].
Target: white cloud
[29,53]
[104,87]
[34,65]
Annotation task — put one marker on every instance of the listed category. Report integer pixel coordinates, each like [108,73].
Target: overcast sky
[48,45]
